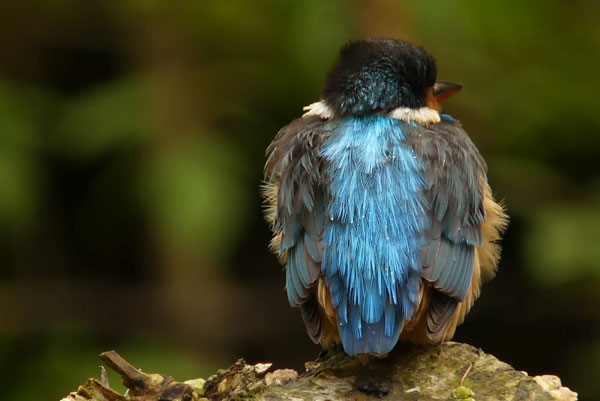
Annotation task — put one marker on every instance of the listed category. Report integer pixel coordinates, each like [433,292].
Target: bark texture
[452,371]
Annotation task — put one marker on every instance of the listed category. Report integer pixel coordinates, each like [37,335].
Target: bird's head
[379,75]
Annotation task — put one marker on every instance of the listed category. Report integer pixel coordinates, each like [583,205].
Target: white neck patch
[319,109]
[423,115]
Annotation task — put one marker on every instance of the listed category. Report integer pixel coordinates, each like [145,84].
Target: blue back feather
[372,241]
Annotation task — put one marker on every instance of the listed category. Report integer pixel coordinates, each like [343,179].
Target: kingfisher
[380,205]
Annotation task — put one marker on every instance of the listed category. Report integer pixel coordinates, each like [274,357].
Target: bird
[380,206]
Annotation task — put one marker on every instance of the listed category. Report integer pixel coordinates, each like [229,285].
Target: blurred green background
[132,138]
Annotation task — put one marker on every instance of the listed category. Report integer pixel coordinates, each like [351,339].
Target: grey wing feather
[454,169]
[293,164]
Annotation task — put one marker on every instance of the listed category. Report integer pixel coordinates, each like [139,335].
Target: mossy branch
[452,371]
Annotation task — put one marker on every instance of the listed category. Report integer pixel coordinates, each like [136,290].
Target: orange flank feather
[329,331]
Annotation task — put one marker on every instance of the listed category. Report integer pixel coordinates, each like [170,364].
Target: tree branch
[450,371]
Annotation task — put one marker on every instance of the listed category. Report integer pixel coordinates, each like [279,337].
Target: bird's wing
[295,207]
[455,172]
